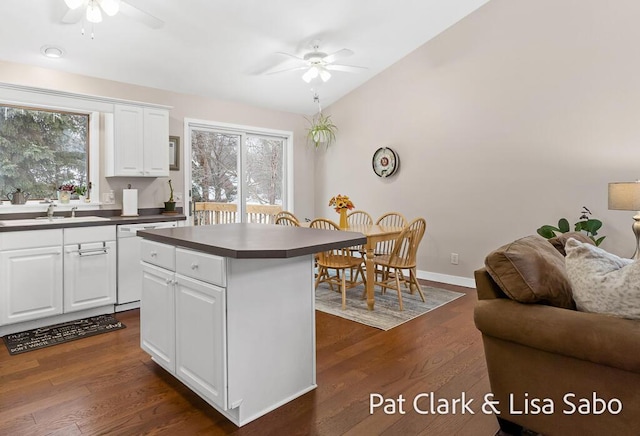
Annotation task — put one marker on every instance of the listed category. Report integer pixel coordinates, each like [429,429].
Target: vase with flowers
[341,204]
[65,191]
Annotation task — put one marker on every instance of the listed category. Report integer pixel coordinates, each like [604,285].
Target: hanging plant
[321,130]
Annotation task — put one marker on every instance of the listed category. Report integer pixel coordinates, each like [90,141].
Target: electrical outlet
[454,258]
[178,197]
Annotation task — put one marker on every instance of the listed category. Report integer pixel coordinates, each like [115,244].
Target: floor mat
[57,334]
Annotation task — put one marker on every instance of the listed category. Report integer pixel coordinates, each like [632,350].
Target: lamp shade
[624,196]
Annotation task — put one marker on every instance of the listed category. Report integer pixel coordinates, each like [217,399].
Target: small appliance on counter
[129,202]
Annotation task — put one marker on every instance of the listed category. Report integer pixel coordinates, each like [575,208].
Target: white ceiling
[222,48]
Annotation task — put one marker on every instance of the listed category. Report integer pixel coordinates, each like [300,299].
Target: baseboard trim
[445,278]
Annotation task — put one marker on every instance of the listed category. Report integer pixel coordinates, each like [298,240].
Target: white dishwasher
[129,267]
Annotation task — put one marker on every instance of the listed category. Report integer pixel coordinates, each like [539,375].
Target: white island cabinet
[229,311]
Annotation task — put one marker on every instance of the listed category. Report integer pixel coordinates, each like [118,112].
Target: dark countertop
[254,241]
[113,220]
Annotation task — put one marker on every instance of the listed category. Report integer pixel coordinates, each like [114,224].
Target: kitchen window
[42,149]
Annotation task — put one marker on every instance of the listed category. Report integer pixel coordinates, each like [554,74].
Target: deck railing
[206,213]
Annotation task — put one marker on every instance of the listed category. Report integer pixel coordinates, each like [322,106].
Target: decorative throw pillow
[530,270]
[559,241]
[603,282]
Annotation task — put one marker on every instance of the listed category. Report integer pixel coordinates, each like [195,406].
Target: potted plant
[170,206]
[81,190]
[586,224]
[321,130]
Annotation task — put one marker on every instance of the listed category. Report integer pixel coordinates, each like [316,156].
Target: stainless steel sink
[43,220]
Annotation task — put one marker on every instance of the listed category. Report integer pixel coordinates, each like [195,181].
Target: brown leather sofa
[553,370]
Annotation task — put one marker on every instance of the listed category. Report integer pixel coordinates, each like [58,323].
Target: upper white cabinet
[137,142]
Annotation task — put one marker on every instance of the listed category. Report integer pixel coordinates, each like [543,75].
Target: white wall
[153,192]
[516,116]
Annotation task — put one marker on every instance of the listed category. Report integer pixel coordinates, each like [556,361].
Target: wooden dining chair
[287,221]
[339,260]
[287,214]
[403,257]
[359,217]
[394,219]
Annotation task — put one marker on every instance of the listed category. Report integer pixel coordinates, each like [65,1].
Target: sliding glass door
[237,175]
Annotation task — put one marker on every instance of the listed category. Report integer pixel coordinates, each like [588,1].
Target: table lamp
[626,196]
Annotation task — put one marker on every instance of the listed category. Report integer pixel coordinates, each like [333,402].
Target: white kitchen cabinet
[183,320]
[243,338]
[157,315]
[30,275]
[31,284]
[89,267]
[138,145]
[201,338]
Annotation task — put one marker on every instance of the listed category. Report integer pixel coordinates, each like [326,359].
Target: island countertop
[254,241]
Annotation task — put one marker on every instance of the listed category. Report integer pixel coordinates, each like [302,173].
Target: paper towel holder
[129,201]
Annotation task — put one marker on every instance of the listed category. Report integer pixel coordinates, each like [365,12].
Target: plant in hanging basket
[321,130]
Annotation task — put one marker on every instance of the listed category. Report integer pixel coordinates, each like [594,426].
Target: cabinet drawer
[158,254]
[201,266]
[82,235]
[30,239]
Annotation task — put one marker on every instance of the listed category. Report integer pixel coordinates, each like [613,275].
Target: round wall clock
[385,162]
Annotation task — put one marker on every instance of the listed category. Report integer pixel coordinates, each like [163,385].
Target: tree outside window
[41,150]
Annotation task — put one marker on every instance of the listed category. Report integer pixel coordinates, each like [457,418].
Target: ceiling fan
[320,64]
[92,10]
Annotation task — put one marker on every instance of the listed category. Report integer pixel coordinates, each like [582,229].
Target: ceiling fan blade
[291,56]
[140,15]
[110,7]
[72,16]
[287,69]
[345,52]
[345,68]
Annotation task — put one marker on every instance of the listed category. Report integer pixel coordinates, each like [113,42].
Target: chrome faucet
[73,211]
[50,210]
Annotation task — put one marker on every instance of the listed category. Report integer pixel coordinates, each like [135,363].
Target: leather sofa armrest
[593,337]
[486,287]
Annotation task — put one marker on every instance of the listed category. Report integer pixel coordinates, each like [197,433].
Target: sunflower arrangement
[341,202]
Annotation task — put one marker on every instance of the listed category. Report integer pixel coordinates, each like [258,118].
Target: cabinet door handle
[194,266]
[153,254]
[168,281]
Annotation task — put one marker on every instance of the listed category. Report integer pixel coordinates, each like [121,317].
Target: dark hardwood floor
[107,385]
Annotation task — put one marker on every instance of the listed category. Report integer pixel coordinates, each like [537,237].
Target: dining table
[374,233]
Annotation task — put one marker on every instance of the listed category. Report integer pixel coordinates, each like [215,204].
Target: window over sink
[42,149]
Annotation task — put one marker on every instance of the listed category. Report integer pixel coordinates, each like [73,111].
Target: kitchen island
[229,310]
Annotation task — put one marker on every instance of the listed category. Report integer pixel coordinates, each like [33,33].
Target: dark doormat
[57,334]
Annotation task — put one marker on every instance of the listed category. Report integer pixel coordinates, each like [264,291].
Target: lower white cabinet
[89,267]
[89,275]
[157,315]
[55,272]
[182,326]
[31,284]
[201,338]
[238,332]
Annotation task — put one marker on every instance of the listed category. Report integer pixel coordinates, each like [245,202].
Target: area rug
[56,334]
[386,314]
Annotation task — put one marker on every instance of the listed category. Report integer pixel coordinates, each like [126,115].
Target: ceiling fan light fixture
[74,4]
[325,75]
[110,7]
[310,74]
[93,12]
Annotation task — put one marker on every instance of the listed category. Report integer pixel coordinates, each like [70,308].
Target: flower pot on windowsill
[169,206]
